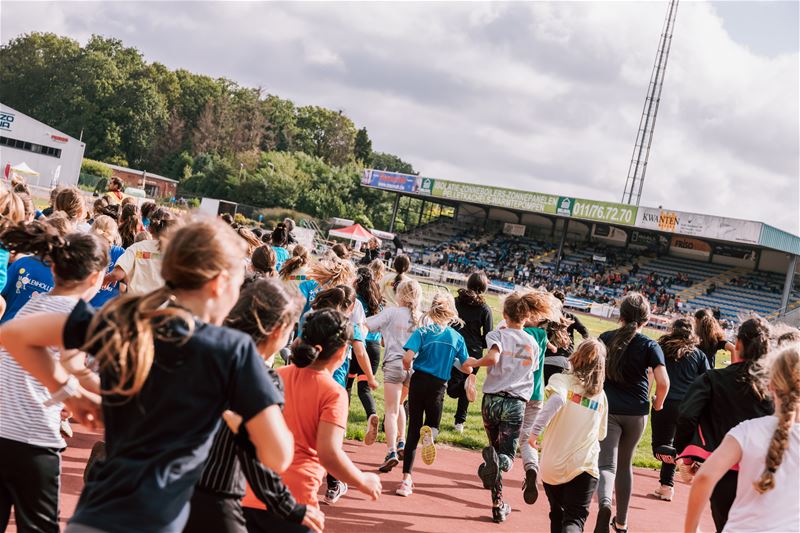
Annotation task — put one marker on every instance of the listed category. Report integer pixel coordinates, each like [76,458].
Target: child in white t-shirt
[576,417]
[767,450]
[512,359]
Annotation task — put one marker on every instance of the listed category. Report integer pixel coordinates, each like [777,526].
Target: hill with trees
[218,138]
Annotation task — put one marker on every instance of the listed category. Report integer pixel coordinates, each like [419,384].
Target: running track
[448,497]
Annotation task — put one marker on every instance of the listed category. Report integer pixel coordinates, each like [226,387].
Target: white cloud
[543,96]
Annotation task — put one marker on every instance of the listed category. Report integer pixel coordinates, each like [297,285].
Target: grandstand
[598,251]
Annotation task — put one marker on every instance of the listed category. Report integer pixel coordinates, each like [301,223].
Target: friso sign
[6,120]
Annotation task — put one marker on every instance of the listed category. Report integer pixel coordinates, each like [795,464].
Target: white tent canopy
[23,170]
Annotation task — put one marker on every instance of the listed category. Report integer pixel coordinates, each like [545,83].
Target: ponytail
[264,260]
[409,295]
[299,259]
[74,257]
[754,334]
[634,311]
[785,380]
[130,221]
[368,290]
[325,332]
[401,265]
[279,235]
[680,341]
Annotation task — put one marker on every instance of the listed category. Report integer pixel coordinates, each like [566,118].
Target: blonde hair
[298,260]
[106,227]
[784,376]
[409,294]
[333,272]
[12,208]
[70,201]
[543,305]
[250,238]
[378,269]
[122,334]
[443,310]
[589,365]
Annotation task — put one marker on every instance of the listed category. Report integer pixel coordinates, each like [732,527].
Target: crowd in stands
[205,431]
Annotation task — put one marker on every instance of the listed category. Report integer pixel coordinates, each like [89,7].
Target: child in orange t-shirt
[316,409]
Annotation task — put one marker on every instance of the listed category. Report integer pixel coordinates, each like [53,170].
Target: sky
[540,96]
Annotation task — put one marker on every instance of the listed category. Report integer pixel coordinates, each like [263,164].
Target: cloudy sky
[541,96]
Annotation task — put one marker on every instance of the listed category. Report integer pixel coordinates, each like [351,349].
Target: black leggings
[364,393]
[569,503]
[30,479]
[261,521]
[212,512]
[663,423]
[457,390]
[722,498]
[425,398]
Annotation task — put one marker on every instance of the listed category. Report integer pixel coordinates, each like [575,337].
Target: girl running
[266,311]
[631,359]
[316,409]
[477,318]
[395,324]
[390,282]
[140,266]
[30,417]
[279,236]
[576,418]
[767,452]
[105,227]
[433,349]
[712,338]
[167,371]
[720,400]
[511,361]
[684,363]
[369,296]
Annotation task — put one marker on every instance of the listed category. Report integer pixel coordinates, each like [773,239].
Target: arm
[691,409]
[491,359]
[408,358]
[662,386]
[488,324]
[114,276]
[732,350]
[550,409]
[363,361]
[26,340]
[74,363]
[273,441]
[551,347]
[336,462]
[579,327]
[723,459]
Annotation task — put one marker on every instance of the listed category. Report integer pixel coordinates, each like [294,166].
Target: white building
[53,155]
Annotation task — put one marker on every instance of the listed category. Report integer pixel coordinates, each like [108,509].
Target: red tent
[356,232]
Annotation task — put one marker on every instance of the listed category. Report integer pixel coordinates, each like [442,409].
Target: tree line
[218,138]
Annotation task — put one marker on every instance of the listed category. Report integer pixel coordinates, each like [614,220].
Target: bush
[95,168]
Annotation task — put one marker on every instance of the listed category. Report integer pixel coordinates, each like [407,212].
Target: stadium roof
[733,230]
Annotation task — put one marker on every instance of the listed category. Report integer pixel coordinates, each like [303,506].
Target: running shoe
[405,488]
[603,519]
[471,386]
[428,446]
[489,471]
[687,469]
[500,513]
[372,430]
[459,428]
[335,493]
[401,450]
[530,492]
[664,492]
[389,462]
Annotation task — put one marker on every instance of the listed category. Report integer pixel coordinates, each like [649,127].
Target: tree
[390,162]
[325,133]
[363,146]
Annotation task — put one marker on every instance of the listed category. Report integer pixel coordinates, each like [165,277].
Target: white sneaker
[664,492]
[372,430]
[459,428]
[405,488]
[66,429]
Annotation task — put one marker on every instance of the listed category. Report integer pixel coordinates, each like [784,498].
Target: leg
[722,498]
[391,405]
[555,495]
[364,393]
[31,481]
[434,404]
[511,416]
[632,429]
[607,463]
[416,410]
[663,424]
[530,457]
[577,497]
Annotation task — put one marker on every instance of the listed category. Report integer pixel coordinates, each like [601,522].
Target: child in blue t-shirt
[26,276]
[434,349]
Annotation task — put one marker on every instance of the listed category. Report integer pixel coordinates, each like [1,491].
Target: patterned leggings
[502,420]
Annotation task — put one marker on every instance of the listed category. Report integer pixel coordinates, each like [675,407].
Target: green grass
[474,436]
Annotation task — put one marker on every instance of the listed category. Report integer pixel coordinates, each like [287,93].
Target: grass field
[474,436]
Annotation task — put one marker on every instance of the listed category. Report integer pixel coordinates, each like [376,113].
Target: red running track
[448,497]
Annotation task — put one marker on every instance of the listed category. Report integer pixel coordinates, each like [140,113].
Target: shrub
[95,168]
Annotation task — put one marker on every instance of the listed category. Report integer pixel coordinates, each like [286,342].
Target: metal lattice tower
[647,124]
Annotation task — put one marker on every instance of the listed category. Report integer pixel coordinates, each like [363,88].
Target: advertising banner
[496,196]
[687,246]
[394,181]
[692,224]
[740,255]
[514,229]
[609,212]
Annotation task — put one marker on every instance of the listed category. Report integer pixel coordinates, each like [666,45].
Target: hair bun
[304,354]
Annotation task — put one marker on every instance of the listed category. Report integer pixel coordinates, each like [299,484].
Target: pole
[394,212]
[421,211]
[787,285]
[561,245]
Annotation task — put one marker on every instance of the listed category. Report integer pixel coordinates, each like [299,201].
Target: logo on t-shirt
[24,280]
[574,397]
[143,254]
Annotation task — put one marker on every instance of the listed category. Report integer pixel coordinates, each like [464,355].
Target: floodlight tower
[647,124]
